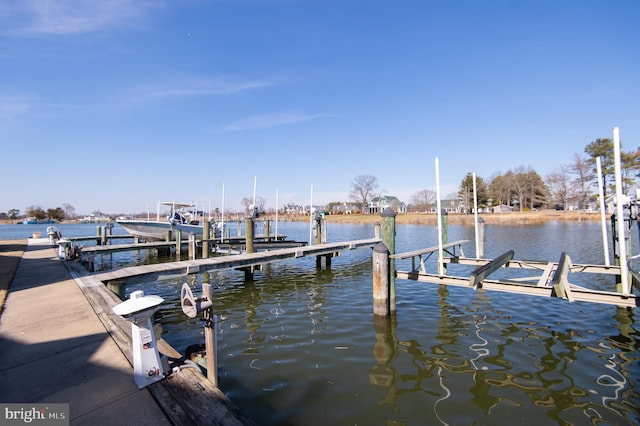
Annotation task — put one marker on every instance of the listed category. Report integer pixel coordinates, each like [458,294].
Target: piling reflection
[383,374]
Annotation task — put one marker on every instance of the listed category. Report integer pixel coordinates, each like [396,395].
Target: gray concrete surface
[54,349]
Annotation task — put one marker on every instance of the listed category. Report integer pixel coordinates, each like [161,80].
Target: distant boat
[33,221]
[179,219]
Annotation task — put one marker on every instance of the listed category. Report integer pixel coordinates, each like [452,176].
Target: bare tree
[247,203]
[422,200]
[559,185]
[69,211]
[584,176]
[362,189]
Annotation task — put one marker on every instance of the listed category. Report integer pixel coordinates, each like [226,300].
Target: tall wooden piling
[103,235]
[178,244]
[388,228]
[206,228]
[210,337]
[444,216]
[480,242]
[192,246]
[626,229]
[381,280]
[250,234]
[322,261]
[267,230]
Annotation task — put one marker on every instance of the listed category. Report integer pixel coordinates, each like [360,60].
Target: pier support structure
[381,280]
[250,227]
[388,233]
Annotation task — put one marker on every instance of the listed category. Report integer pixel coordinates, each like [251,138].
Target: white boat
[179,219]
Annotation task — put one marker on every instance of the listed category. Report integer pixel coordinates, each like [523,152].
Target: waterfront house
[379,204]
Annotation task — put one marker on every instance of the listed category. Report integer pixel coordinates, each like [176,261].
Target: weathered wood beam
[483,271]
[560,283]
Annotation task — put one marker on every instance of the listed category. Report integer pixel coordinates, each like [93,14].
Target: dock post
[250,233]
[616,256]
[324,229]
[626,228]
[178,244]
[445,235]
[103,235]
[206,227]
[480,253]
[388,227]
[91,262]
[210,337]
[318,240]
[98,235]
[192,246]
[376,230]
[381,280]
[267,230]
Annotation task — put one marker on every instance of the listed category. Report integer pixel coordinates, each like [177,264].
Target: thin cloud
[58,17]
[193,87]
[267,121]
[13,104]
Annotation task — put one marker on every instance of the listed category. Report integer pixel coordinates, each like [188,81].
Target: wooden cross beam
[483,271]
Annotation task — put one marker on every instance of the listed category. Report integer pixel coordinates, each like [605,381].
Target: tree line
[572,185]
[67,211]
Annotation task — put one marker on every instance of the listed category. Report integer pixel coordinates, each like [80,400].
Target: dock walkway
[59,344]
[54,349]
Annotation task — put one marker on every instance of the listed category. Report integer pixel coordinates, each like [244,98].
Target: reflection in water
[510,366]
[382,374]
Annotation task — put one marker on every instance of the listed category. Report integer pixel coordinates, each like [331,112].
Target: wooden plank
[560,282]
[544,278]
[420,252]
[483,271]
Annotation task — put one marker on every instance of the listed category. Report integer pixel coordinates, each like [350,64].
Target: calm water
[302,347]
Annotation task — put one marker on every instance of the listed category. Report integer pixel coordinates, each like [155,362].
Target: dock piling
[192,246]
[178,244]
[209,321]
[206,227]
[249,225]
[388,228]
[381,280]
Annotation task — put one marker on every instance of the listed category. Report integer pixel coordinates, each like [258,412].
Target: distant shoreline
[513,218]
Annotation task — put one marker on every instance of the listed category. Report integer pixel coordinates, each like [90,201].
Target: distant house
[345,208]
[502,208]
[379,204]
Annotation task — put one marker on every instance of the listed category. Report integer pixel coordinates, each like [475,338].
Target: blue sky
[116,104]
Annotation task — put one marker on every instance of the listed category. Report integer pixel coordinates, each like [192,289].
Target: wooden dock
[244,260]
[187,397]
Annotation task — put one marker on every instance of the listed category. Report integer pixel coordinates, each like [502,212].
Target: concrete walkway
[53,348]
